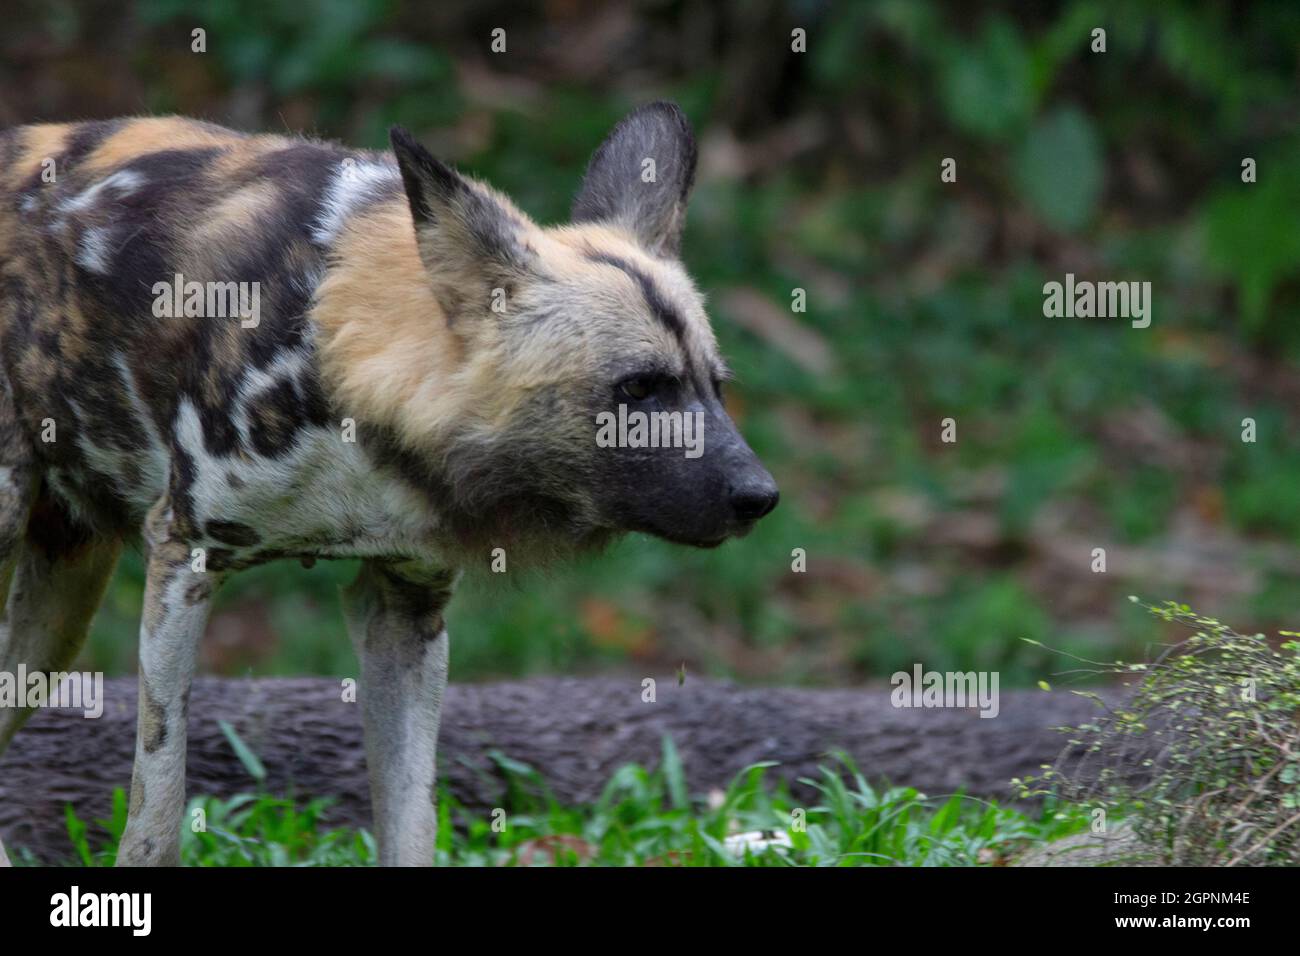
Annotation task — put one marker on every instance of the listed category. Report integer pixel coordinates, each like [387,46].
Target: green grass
[643,818]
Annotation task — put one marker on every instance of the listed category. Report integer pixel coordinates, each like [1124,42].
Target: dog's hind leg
[53,571]
[394,614]
[18,484]
[17,489]
[58,578]
[177,597]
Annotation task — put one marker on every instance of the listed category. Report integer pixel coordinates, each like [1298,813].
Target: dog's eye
[638,389]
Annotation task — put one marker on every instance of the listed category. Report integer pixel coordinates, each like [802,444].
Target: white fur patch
[124,181]
[94,250]
[116,464]
[154,468]
[59,482]
[355,183]
[322,489]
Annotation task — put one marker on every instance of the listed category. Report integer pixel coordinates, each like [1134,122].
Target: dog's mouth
[705,542]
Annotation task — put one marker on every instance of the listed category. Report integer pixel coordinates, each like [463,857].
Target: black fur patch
[275,417]
[659,305]
[52,531]
[157,720]
[11,142]
[232,533]
[84,140]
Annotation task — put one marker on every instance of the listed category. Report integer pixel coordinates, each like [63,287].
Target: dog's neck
[389,360]
[387,355]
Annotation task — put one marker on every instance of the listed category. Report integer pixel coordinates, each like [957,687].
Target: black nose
[751,502]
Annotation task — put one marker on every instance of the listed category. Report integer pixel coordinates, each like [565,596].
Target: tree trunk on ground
[575,732]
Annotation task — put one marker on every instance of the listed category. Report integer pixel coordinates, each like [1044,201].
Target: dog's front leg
[394,612]
[176,600]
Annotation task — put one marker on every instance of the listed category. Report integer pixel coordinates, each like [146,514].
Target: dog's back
[92,217]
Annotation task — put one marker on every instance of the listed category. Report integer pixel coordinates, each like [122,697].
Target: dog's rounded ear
[640,178]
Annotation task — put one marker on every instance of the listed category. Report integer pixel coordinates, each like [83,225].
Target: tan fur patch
[153,134]
[74,328]
[241,153]
[40,143]
[235,214]
[383,333]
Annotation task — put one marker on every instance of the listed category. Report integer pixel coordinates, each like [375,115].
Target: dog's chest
[284,485]
[322,496]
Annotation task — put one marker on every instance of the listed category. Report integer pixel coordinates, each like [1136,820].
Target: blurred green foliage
[821,171]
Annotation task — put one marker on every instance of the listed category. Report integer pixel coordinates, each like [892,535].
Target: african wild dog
[420,387]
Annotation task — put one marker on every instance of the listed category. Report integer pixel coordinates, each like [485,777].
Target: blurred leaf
[674,775]
[251,763]
[1251,235]
[987,87]
[1059,168]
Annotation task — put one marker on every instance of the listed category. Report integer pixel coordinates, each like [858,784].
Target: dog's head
[590,383]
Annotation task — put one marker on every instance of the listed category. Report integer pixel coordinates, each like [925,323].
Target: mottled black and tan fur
[417,388]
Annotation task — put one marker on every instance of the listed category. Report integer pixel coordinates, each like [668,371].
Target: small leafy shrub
[1203,760]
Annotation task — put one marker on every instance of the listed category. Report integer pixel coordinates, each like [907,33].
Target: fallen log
[575,732]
